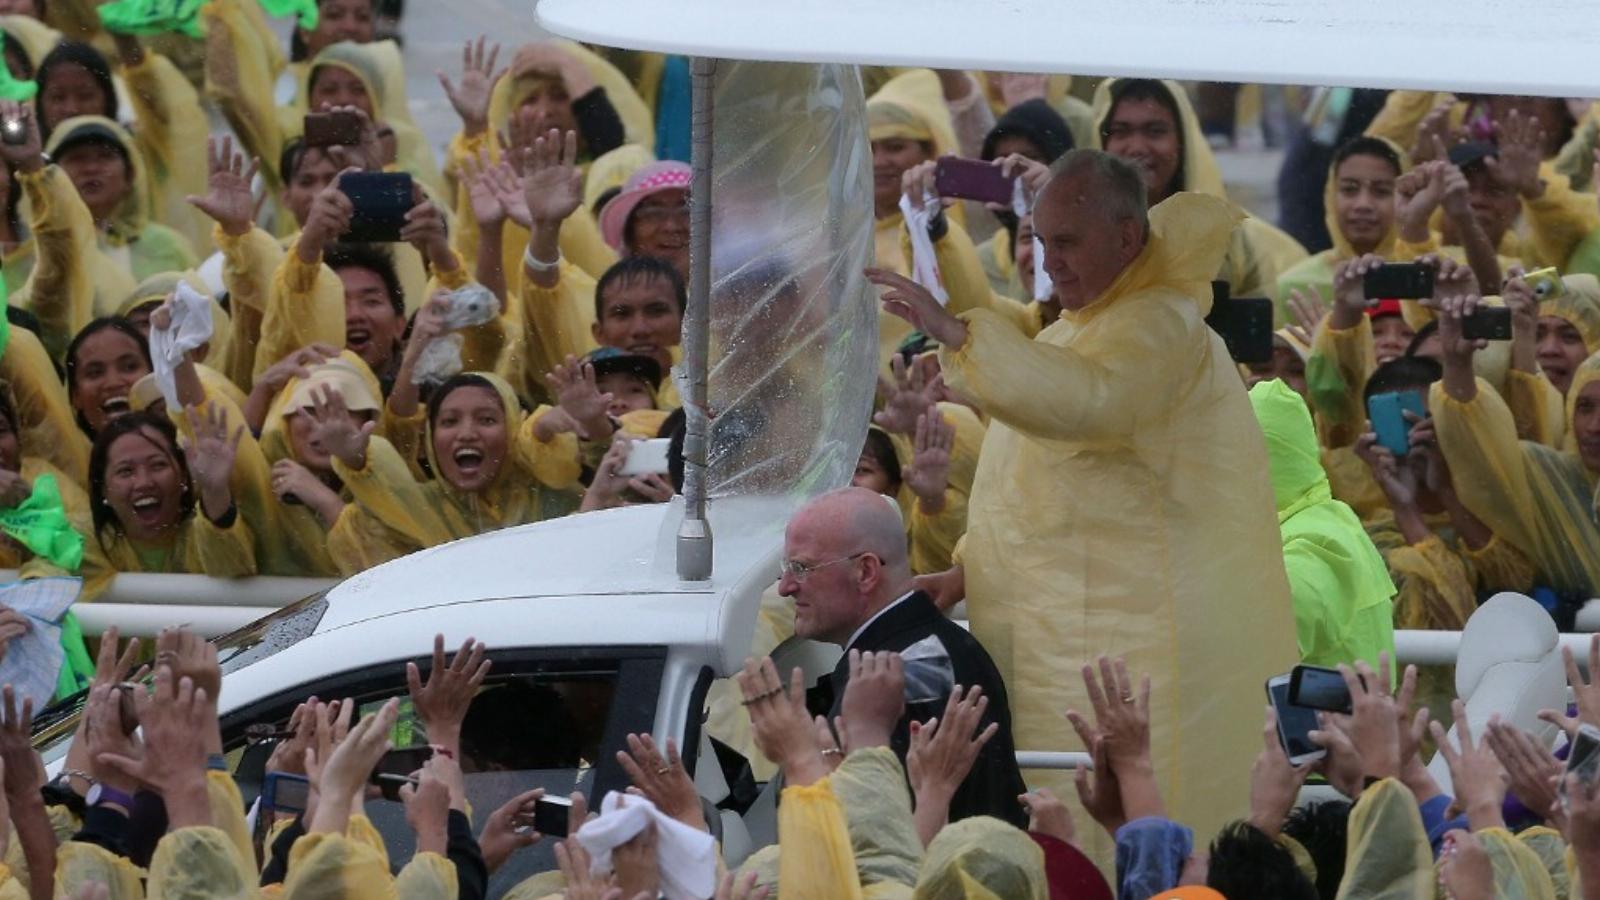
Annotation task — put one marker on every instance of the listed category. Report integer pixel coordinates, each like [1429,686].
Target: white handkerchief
[191,326]
[688,856]
[33,661]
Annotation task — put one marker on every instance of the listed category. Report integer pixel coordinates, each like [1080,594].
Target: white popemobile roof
[1492,46]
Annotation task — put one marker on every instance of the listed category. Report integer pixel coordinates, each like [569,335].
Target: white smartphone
[647,457]
[1295,724]
[1583,758]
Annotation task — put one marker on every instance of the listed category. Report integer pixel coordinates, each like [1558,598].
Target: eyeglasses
[660,213]
[1151,131]
[800,571]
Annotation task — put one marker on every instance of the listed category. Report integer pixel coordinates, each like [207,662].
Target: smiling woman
[103,362]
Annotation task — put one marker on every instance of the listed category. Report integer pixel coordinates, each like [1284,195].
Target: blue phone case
[1386,412]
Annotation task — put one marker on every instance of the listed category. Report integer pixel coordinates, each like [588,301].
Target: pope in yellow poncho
[1121,503]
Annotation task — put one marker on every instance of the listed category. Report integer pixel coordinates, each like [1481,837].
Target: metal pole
[694,534]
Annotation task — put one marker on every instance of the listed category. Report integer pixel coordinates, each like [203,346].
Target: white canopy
[1543,47]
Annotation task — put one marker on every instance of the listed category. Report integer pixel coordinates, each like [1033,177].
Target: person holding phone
[1119,440]
[1539,499]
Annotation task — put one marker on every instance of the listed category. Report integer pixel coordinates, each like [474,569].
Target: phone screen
[1583,760]
[1295,723]
[1318,688]
[551,815]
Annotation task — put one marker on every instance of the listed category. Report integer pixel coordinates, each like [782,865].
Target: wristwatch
[99,794]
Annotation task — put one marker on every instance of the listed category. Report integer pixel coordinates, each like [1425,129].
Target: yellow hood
[157,288]
[275,443]
[1330,215]
[1587,374]
[982,858]
[378,66]
[1198,170]
[637,124]
[513,411]
[1056,88]
[1580,305]
[613,171]
[912,106]
[34,37]
[133,214]
[1189,235]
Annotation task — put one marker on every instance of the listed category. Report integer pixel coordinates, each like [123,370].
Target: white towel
[190,328]
[33,661]
[924,264]
[1042,285]
[687,856]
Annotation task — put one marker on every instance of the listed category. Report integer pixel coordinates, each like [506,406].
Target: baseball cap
[609,360]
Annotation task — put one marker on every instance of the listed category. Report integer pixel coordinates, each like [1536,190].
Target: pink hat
[667,175]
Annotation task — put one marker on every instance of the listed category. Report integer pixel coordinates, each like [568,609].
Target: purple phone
[972,179]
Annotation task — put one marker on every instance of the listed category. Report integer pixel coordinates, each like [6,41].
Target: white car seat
[1509,665]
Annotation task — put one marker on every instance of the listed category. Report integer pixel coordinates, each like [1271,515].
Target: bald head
[847,551]
[1093,180]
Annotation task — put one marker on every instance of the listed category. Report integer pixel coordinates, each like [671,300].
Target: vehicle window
[537,723]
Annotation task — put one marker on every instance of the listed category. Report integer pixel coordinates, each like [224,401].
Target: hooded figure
[1337,579]
[982,859]
[1257,252]
[1120,442]
[394,514]
[1036,122]
[134,242]
[1539,499]
[378,67]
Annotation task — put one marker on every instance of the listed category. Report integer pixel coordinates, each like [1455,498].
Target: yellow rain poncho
[1314,274]
[1339,584]
[1538,499]
[394,514]
[983,859]
[581,242]
[34,38]
[1438,580]
[1257,252]
[47,424]
[75,502]
[1121,505]
[355,866]
[170,132]
[1579,304]
[70,277]
[1518,871]
[1388,856]
[378,65]
[134,242]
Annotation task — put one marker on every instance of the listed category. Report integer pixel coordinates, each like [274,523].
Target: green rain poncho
[1338,580]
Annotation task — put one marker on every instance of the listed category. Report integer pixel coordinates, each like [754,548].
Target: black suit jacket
[940,654]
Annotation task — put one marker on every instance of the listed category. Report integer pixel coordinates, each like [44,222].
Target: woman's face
[306,451]
[659,227]
[144,485]
[10,446]
[1016,143]
[108,362]
[1586,425]
[547,106]
[100,173]
[1561,350]
[338,86]
[1391,335]
[629,393]
[470,437]
[339,20]
[71,91]
[1363,200]
[871,475]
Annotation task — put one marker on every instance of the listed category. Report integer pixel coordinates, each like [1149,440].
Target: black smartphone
[551,816]
[284,792]
[1245,324]
[973,179]
[381,201]
[1487,323]
[403,761]
[1316,687]
[389,785]
[1295,724]
[1398,281]
[332,129]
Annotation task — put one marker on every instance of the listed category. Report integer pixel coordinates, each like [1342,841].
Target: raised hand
[783,729]
[1308,311]
[1048,815]
[1417,194]
[1274,782]
[478,76]
[506,831]
[1531,771]
[1520,143]
[344,773]
[905,398]
[1100,794]
[578,395]
[337,431]
[552,183]
[228,199]
[929,472]
[487,210]
[908,300]
[1349,291]
[1375,718]
[1433,135]
[24,770]
[27,156]
[1457,350]
[1475,772]
[441,702]
[1456,196]
[874,698]
[210,454]
[329,217]
[296,365]
[1121,714]
[427,806]
[173,720]
[662,779]
[944,749]
[1585,691]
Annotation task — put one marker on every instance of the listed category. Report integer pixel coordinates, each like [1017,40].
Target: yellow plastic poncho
[581,242]
[1540,500]
[1337,579]
[34,38]
[1387,855]
[137,244]
[983,859]
[47,424]
[1579,304]
[355,866]
[394,514]
[1257,252]
[1518,871]
[379,67]
[170,132]
[94,568]
[1314,274]
[1120,441]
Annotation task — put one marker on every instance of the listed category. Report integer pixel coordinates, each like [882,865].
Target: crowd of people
[258,324]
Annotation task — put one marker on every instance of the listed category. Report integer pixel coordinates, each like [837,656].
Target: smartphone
[1315,687]
[284,792]
[1399,281]
[1387,412]
[1487,323]
[332,129]
[381,201]
[1583,758]
[647,457]
[403,761]
[1245,324]
[973,179]
[389,785]
[1546,283]
[551,815]
[1295,724]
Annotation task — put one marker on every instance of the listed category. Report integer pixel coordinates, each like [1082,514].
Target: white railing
[141,604]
